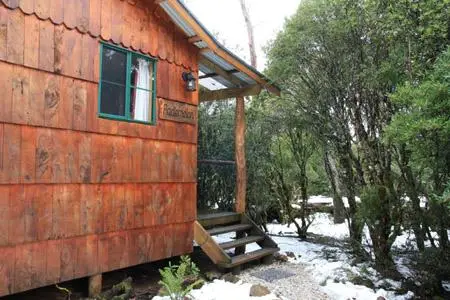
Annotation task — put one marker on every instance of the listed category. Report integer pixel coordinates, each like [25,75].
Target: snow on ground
[322,225]
[351,291]
[331,266]
[324,200]
[223,290]
[446,285]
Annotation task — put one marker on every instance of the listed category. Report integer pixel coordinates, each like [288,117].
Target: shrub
[179,280]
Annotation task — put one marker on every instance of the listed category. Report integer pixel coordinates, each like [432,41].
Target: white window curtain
[142,98]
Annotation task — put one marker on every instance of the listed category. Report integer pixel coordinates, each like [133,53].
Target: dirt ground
[145,281]
[146,277]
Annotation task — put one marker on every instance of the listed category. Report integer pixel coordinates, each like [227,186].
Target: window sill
[124,119]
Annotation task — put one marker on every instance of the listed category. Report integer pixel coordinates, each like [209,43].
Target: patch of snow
[331,266]
[446,285]
[296,206]
[320,200]
[402,262]
[348,290]
[423,200]
[325,200]
[223,290]
[322,224]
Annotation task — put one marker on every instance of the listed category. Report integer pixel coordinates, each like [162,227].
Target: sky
[224,18]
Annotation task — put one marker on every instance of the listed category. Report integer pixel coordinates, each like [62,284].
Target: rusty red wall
[79,194]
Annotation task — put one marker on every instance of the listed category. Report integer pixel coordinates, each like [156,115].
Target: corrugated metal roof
[245,78]
[223,81]
[204,69]
[180,22]
[201,45]
[218,60]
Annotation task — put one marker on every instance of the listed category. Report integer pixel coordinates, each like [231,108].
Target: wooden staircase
[247,232]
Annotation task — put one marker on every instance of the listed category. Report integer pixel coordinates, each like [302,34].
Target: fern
[173,278]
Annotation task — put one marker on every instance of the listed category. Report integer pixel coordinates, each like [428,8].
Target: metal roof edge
[223,48]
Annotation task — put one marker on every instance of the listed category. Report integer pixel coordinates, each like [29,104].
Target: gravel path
[296,285]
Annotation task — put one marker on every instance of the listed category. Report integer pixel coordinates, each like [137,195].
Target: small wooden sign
[178,112]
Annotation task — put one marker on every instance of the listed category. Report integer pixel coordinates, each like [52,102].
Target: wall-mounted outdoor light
[191,85]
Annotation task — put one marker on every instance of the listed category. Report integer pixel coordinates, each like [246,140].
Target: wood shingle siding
[120,219]
[81,194]
[45,155]
[132,24]
[44,263]
[52,100]
[41,212]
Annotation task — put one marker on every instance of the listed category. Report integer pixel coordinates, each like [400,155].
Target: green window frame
[128,86]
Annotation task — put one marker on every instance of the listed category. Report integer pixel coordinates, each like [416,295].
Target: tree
[339,61]
[250,32]
[306,59]
[422,125]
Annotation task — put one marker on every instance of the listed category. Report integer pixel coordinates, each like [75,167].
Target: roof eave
[195,26]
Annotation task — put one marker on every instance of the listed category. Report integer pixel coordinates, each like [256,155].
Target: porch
[225,76]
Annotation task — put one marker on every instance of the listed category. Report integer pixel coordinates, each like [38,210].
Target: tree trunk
[250,31]
[417,217]
[348,181]
[442,228]
[338,204]
[241,172]
[383,260]
[411,184]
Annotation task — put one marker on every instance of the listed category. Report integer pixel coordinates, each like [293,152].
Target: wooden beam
[230,93]
[214,219]
[219,71]
[209,246]
[194,39]
[239,142]
[203,50]
[208,75]
[215,74]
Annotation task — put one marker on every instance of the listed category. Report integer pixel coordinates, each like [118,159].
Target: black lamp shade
[190,80]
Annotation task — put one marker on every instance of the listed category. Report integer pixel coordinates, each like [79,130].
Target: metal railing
[216,185]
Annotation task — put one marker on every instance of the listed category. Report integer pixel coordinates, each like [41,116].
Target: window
[127,85]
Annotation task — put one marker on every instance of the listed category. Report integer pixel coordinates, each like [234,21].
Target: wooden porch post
[95,285]
[239,153]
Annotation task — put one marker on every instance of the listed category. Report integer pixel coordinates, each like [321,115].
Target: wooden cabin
[98,136]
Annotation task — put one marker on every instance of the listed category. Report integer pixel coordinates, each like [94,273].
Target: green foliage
[370,209]
[423,124]
[365,82]
[175,279]
[216,183]
[318,182]
[358,76]
[267,125]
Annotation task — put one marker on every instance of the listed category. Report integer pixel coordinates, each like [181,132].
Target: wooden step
[247,257]
[231,228]
[222,218]
[209,245]
[241,242]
